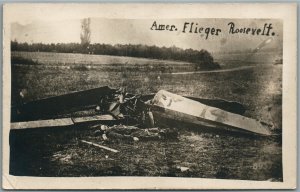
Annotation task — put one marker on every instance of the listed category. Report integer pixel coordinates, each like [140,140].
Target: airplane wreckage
[114,106]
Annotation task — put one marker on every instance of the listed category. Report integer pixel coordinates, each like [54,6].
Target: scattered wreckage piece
[58,106]
[61,122]
[100,146]
[132,133]
[41,123]
[166,105]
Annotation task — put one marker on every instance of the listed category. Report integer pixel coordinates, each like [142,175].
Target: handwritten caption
[232,29]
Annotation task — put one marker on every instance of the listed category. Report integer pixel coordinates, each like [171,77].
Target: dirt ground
[60,152]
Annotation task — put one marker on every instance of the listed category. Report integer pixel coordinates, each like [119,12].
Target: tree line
[202,59]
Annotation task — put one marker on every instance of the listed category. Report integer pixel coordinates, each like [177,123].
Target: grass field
[59,152]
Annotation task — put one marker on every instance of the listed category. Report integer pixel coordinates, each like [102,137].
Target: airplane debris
[182,169]
[104,137]
[131,133]
[61,122]
[171,107]
[135,139]
[110,107]
[100,146]
[42,123]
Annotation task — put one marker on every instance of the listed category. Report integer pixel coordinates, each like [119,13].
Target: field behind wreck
[59,152]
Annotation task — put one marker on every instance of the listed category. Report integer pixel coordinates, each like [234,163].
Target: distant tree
[85,35]
[14,45]
[202,59]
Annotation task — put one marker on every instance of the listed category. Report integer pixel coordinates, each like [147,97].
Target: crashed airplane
[112,106]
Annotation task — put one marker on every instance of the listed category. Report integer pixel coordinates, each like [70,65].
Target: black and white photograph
[160,97]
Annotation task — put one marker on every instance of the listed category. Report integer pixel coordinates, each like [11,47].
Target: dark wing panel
[56,106]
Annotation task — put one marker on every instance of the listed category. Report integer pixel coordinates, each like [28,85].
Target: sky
[138,31]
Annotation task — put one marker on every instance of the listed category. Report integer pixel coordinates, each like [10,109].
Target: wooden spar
[172,106]
[60,122]
[42,123]
[106,117]
[100,146]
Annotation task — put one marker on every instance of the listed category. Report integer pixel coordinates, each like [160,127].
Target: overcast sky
[138,31]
